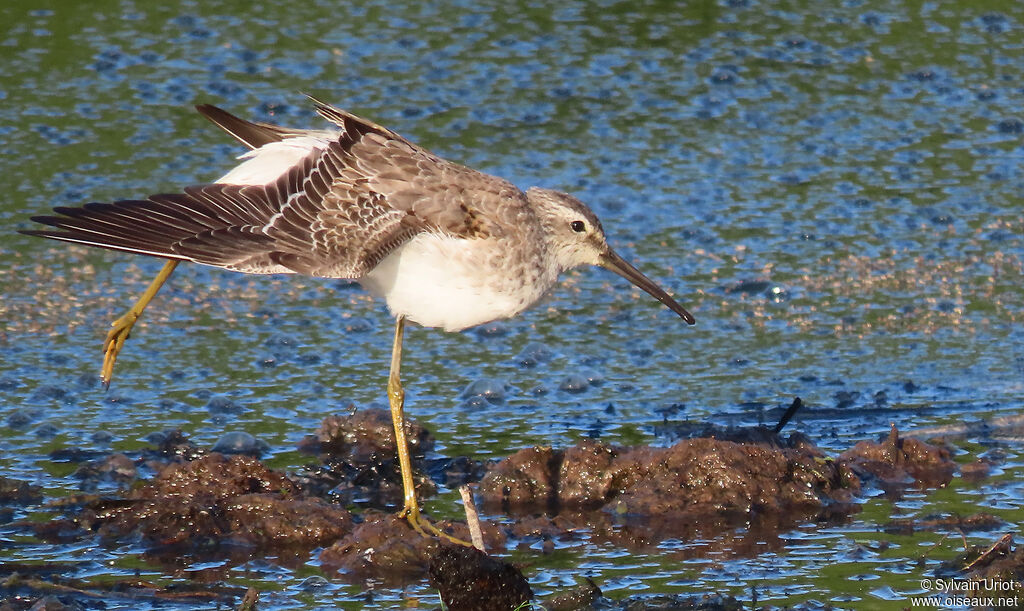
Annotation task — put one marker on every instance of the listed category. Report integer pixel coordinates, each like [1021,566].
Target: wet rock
[470,580]
[102,437]
[60,530]
[19,492]
[749,287]
[998,428]
[215,476]
[846,398]
[582,596]
[223,405]
[116,468]
[1010,126]
[240,442]
[385,546]
[48,392]
[314,583]
[473,404]
[175,444]
[975,471]
[574,383]
[491,329]
[593,378]
[47,431]
[458,471]
[901,461]
[534,354]
[491,389]
[21,418]
[217,498]
[547,527]
[358,325]
[973,522]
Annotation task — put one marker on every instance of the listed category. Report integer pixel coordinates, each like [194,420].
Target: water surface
[833,191]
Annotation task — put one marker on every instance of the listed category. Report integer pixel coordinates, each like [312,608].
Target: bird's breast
[454,283]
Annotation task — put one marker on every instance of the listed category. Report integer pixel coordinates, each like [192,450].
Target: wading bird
[445,246]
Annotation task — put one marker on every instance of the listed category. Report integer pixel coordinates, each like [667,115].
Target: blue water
[833,191]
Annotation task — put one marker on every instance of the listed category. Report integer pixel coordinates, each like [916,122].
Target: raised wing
[335,213]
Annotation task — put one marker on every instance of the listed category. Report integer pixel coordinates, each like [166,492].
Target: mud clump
[1002,562]
[692,475]
[116,468]
[469,580]
[973,522]
[18,492]
[359,458]
[384,545]
[175,445]
[368,432]
[901,461]
[217,498]
[998,570]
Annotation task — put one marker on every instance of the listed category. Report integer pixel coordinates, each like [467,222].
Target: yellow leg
[396,397]
[122,326]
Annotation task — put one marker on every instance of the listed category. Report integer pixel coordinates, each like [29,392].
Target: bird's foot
[425,527]
[120,330]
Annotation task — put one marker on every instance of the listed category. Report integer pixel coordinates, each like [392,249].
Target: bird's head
[576,237]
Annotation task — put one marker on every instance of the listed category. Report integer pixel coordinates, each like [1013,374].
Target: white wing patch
[269,162]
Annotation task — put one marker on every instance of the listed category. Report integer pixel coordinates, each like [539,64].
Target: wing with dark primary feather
[357,195]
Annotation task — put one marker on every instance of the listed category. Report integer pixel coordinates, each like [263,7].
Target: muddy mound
[216,498]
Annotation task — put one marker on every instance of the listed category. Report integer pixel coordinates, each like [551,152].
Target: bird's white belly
[448,282]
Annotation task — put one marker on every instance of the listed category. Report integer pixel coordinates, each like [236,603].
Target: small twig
[1002,546]
[472,519]
[935,547]
[793,408]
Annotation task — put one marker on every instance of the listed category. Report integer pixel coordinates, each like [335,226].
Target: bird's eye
[578,226]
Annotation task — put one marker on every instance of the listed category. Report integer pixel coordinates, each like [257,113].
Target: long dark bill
[612,261]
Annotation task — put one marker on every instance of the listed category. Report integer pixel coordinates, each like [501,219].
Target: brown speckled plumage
[362,202]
